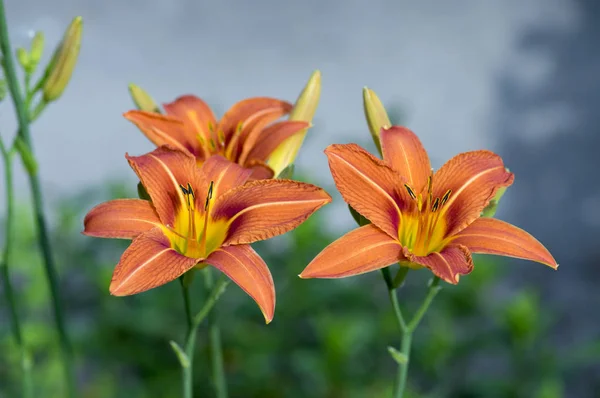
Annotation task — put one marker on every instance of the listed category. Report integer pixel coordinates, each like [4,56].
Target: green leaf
[400,358]
[181,355]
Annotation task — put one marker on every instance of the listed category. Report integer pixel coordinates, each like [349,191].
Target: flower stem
[193,322]
[407,329]
[214,337]
[44,242]
[26,376]
[190,341]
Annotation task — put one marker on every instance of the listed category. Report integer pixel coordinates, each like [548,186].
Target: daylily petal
[161,172]
[253,127]
[273,136]
[361,250]
[245,267]
[242,110]
[121,218]
[225,174]
[492,236]
[369,185]
[474,177]
[147,263]
[194,113]
[164,130]
[449,264]
[262,209]
[260,171]
[403,150]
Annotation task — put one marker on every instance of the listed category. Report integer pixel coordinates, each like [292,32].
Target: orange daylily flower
[418,218]
[199,217]
[247,134]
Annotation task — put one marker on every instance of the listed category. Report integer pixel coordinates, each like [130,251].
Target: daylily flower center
[422,230]
[217,144]
[194,234]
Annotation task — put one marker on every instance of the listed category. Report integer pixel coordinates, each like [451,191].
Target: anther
[211,127]
[410,192]
[209,195]
[435,206]
[446,197]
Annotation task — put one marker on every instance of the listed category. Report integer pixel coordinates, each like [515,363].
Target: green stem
[403,369]
[26,376]
[190,341]
[407,329]
[193,323]
[214,337]
[50,268]
[434,288]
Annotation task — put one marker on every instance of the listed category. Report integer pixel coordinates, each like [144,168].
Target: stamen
[446,197]
[221,138]
[206,212]
[410,192]
[430,184]
[435,205]
[211,127]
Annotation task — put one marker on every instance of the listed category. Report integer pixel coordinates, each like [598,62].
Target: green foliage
[329,338]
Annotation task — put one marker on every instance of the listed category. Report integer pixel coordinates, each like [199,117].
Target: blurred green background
[328,338]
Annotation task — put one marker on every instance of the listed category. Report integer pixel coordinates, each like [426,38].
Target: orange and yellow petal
[369,185]
[403,151]
[273,136]
[361,250]
[225,174]
[252,131]
[147,263]
[245,267]
[492,236]
[449,264]
[164,130]
[195,114]
[262,209]
[473,178]
[121,218]
[162,171]
[244,109]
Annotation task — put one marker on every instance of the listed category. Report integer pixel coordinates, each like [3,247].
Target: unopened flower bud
[142,100]
[304,110]
[37,48]
[60,69]
[375,114]
[23,58]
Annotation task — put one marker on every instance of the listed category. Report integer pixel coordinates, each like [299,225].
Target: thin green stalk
[403,369]
[193,323]
[214,338]
[434,288]
[26,376]
[407,329]
[44,241]
[190,341]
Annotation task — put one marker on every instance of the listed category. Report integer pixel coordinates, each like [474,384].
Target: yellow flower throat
[423,226]
[193,233]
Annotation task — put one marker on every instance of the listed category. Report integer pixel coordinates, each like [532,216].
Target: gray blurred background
[516,77]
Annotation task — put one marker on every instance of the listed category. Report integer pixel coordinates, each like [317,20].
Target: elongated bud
[142,100]
[60,69]
[23,58]
[37,48]
[304,110]
[375,114]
